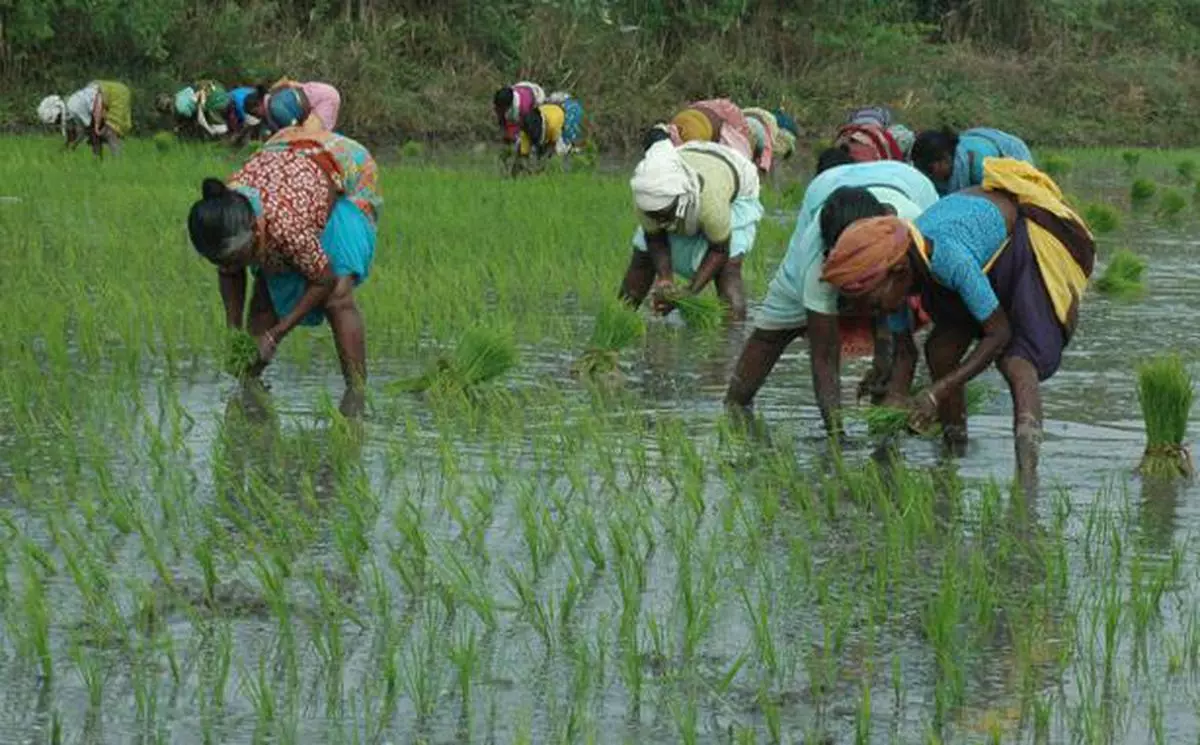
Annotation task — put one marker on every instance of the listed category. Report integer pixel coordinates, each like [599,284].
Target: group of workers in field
[898,230]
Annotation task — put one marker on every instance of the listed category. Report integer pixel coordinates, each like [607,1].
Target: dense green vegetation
[1111,71]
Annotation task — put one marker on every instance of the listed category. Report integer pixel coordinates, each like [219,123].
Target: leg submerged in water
[349,336]
[1022,378]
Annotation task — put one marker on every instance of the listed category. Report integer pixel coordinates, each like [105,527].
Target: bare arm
[825,347]
[996,335]
[904,367]
[97,112]
[316,294]
[233,295]
[714,260]
[660,253]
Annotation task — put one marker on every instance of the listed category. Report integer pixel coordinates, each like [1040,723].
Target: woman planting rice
[553,128]
[799,303]
[302,213]
[716,120]
[513,103]
[769,141]
[207,103]
[869,134]
[1005,264]
[312,106]
[699,210]
[240,117]
[101,112]
[955,161]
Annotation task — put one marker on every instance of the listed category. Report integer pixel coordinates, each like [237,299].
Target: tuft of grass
[1165,392]
[617,326]
[1131,160]
[1170,203]
[1055,166]
[241,353]
[413,149]
[1186,169]
[482,356]
[1102,218]
[1122,277]
[1142,190]
[164,141]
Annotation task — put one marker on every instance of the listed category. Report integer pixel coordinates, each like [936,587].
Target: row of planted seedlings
[539,575]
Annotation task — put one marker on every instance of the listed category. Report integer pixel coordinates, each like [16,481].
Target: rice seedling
[1165,392]
[1131,160]
[1101,218]
[1122,278]
[482,356]
[1055,166]
[164,141]
[241,353]
[1170,203]
[617,326]
[703,312]
[1186,169]
[1142,190]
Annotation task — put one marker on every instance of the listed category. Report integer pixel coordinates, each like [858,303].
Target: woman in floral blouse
[302,214]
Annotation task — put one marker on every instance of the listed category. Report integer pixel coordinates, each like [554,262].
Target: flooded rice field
[188,561]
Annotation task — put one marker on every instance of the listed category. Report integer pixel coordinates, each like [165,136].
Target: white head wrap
[53,109]
[663,178]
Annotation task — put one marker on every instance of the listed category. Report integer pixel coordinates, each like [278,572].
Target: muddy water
[1093,440]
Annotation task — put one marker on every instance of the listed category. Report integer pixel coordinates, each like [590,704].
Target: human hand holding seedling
[922,410]
[267,344]
[663,295]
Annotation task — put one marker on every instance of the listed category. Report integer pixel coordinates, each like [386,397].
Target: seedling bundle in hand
[1165,393]
[241,353]
[482,356]
[699,311]
[617,326]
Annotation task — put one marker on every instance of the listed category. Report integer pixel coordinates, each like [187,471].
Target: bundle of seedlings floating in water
[482,356]
[1101,218]
[241,353]
[703,311]
[1142,190]
[1122,277]
[1131,160]
[1055,166]
[1165,393]
[1170,203]
[617,327]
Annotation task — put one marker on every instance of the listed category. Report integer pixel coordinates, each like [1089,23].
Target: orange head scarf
[865,253]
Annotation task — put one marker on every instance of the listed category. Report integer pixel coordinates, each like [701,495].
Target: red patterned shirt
[292,197]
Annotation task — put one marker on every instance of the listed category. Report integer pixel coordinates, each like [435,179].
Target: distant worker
[955,161]
[552,128]
[101,112]
[513,103]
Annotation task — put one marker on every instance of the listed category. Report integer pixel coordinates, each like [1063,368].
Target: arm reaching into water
[233,295]
[714,260]
[996,335]
[824,345]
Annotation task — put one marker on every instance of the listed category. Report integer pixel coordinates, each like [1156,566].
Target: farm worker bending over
[311,106]
[101,111]
[207,103]
[1005,264]
[554,127]
[513,103]
[799,303]
[699,210]
[770,141]
[955,161]
[716,120]
[242,121]
[870,134]
[302,214]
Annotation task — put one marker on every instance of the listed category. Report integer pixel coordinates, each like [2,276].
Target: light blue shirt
[966,231]
[976,144]
[797,286]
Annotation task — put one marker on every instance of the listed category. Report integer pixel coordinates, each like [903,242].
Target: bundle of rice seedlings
[1101,218]
[1171,203]
[979,395]
[482,355]
[413,149]
[1165,393]
[1131,160]
[241,353]
[617,327]
[1186,170]
[1055,166]
[1122,277]
[703,312]
[164,141]
[885,420]
[1142,190]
